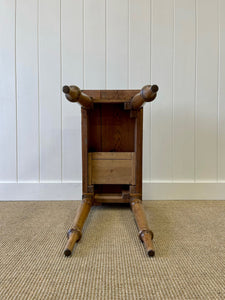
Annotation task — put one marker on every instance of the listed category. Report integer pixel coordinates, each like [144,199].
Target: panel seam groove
[60,79]
[173,63]
[38,94]
[16,98]
[150,61]
[196,93]
[218,95]
[83,31]
[106,44]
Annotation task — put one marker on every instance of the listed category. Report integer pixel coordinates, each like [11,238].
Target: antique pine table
[112,129]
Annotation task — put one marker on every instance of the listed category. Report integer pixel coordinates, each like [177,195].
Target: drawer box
[111,168]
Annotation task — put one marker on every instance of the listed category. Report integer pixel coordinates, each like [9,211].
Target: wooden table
[112,128]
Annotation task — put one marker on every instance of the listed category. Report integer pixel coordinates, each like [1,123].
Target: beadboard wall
[112,44]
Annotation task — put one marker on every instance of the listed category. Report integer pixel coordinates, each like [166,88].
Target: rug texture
[110,262]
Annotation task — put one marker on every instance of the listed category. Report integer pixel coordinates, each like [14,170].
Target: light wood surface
[111,168]
[85,134]
[110,96]
[110,198]
[111,155]
[75,233]
[138,149]
[145,234]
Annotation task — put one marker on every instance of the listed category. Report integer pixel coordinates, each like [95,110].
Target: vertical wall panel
[139,64]
[221,90]
[117,54]
[184,90]
[50,90]
[162,74]
[27,90]
[72,74]
[139,43]
[8,132]
[94,44]
[207,92]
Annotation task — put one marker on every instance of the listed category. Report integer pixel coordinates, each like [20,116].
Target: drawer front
[111,168]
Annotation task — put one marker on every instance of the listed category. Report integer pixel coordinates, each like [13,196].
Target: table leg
[75,233]
[145,234]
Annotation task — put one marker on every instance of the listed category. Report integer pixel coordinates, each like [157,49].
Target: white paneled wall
[184,81]
[221,92]
[112,44]
[8,93]
[27,91]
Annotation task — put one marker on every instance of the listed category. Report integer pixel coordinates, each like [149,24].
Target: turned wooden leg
[75,233]
[145,234]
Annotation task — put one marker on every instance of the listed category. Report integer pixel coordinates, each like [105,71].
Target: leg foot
[145,234]
[75,233]
[146,237]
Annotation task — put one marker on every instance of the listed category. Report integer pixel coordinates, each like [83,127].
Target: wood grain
[111,168]
[138,149]
[145,234]
[85,132]
[95,136]
[111,120]
[117,124]
[147,94]
[112,155]
[75,233]
[111,96]
[110,198]
[74,94]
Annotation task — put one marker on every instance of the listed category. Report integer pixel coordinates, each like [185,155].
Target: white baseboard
[40,191]
[11,191]
[184,191]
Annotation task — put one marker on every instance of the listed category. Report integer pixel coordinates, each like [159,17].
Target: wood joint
[127,106]
[132,189]
[136,198]
[90,189]
[74,94]
[133,113]
[73,230]
[88,198]
[125,195]
[135,201]
[142,233]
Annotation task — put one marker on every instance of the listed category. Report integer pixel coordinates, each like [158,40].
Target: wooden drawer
[111,168]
